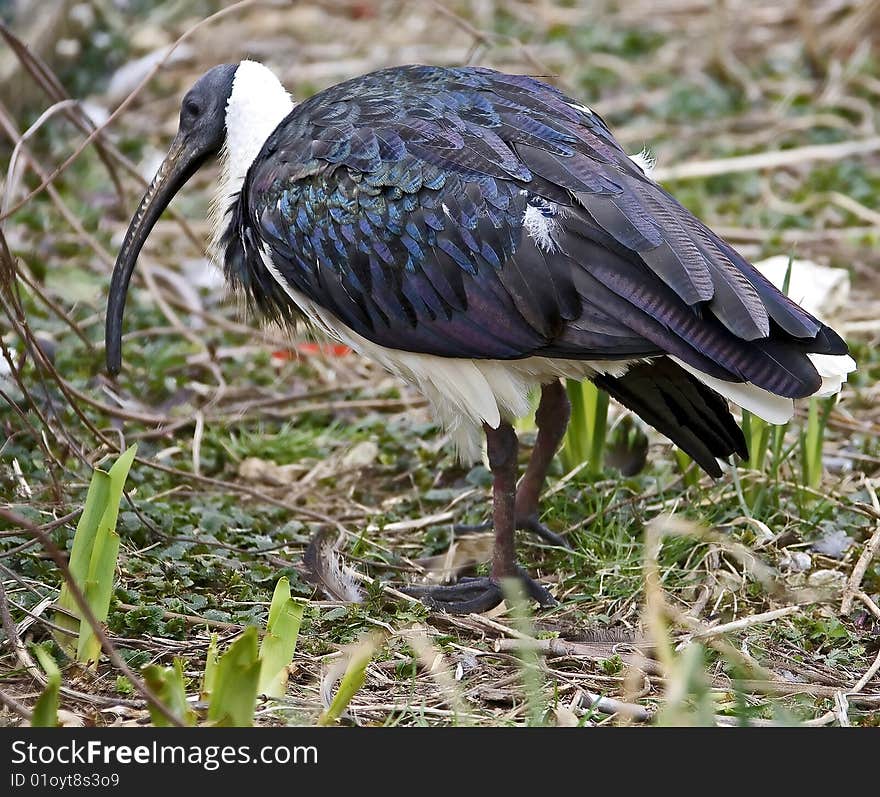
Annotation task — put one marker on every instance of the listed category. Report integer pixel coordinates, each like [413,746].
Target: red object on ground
[312,350]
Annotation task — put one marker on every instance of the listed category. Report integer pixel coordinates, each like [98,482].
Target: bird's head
[234,106]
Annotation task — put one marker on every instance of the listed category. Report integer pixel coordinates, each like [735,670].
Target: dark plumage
[677,404]
[480,234]
[396,201]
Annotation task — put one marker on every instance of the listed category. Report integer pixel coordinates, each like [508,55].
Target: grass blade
[210,676]
[688,700]
[81,552]
[811,441]
[45,714]
[757,433]
[585,436]
[353,678]
[690,474]
[279,643]
[169,685]
[530,665]
[234,696]
[98,588]
[597,415]
[576,447]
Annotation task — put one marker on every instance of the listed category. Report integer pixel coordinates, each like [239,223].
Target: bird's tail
[683,408]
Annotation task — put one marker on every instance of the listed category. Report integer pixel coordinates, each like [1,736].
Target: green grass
[45,713]
[169,684]
[234,693]
[585,436]
[93,560]
[353,677]
[279,641]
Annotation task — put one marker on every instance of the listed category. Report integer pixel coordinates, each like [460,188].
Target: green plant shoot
[585,436]
[45,713]
[689,701]
[690,475]
[93,560]
[279,643]
[168,684]
[757,433]
[210,676]
[352,679]
[811,441]
[530,666]
[234,694]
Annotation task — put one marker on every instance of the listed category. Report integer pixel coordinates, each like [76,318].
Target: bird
[482,235]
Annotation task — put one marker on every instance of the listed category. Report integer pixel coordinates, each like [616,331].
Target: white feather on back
[645,160]
[541,227]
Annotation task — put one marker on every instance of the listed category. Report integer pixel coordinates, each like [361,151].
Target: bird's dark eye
[191,108]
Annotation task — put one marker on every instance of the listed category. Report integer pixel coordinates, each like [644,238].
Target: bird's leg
[482,594]
[551,419]
[502,447]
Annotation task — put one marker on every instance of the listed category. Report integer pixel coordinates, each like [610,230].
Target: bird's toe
[476,594]
[468,596]
[528,523]
[532,524]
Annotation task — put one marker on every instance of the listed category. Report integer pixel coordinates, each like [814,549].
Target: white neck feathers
[256,106]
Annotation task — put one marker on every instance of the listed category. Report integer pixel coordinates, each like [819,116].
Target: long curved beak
[182,161]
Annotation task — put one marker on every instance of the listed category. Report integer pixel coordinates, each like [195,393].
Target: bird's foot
[474,595]
[531,523]
[527,522]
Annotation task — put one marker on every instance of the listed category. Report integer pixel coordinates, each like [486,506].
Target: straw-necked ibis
[481,234]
